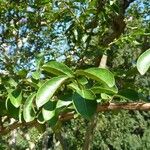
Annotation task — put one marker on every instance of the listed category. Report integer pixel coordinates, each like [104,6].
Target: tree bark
[89,133]
[62,140]
[142,106]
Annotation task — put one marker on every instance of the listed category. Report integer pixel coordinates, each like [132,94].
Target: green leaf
[41,128]
[57,68]
[22,73]
[2,108]
[105,96]
[82,80]
[62,103]
[12,111]
[85,93]
[15,97]
[39,61]
[53,121]
[28,112]
[47,90]
[131,72]
[31,83]
[11,81]
[74,86]
[99,74]
[40,118]
[128,94]
[48,110]
[20,113]
[84,107]
[143,62]
[104,89]
[36,75]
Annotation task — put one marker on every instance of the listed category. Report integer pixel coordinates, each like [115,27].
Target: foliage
[132,132]
[50,60]
[44,101]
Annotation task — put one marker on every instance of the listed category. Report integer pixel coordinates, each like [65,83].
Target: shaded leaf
[22,73]
[2,109]
[128,94]
[31,83]
[131,72]
[40,118]
[12,111]
[53,121]
[48,110]
[84,107]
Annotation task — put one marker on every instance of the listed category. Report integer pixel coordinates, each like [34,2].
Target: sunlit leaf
[62,103]
[143,62]
[99,74]
[57,68]
[36,75]
[82,80]
[47,90]
[105,96]
[28,112]
[104,89]
[15,97]
[85,93]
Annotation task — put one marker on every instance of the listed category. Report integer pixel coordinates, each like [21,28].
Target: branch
[124,106]
[117,24]
[100,108]
[89,133]
[113,107]
[15,125]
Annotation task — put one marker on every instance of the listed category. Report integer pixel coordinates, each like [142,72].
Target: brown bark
[89,133]
[15,125]
[113,107]
[124,106]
